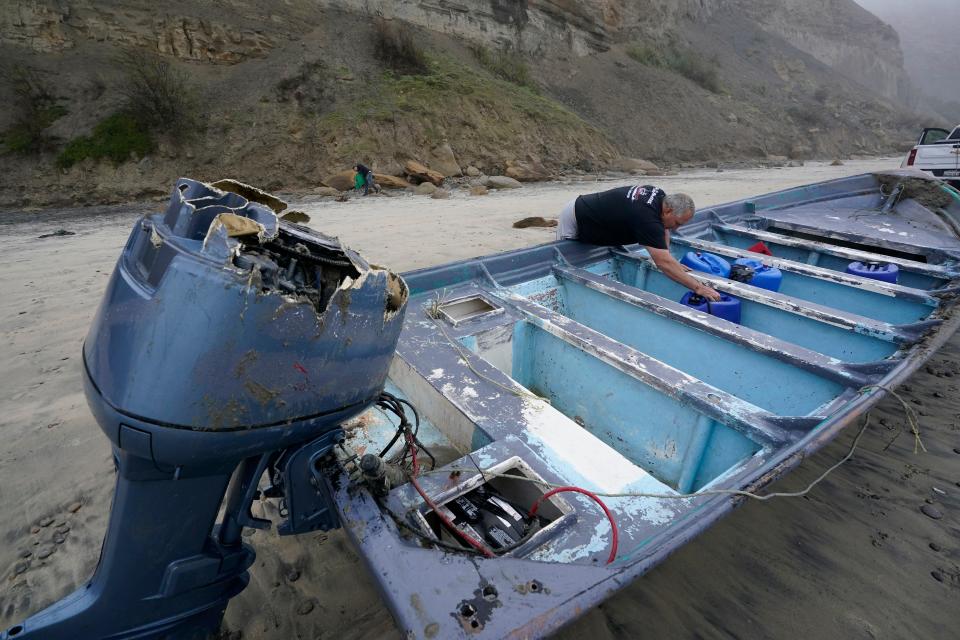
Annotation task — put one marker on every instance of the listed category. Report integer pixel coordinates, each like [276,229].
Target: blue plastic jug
[706,262]
[876,270]
[728,308]
[763,276]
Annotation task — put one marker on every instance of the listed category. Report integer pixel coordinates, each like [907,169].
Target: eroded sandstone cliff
[293,91]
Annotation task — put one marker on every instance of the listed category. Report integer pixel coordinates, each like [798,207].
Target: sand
[853,559]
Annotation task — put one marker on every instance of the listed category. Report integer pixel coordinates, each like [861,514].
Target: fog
[928,31]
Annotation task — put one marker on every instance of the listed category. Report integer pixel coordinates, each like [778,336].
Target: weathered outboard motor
[228,344]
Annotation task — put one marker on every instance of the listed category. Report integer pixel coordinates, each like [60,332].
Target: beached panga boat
[578,366]
[553,422]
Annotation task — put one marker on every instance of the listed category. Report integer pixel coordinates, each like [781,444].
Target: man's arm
[678,273]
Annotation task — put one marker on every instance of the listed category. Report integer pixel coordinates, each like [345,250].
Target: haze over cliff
[286,94]
[931,46]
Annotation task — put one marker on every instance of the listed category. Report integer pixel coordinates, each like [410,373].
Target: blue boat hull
[577,365]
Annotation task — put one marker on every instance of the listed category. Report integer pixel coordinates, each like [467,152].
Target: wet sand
[855,558]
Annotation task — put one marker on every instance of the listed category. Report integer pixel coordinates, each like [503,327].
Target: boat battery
[728,308]
[706,262]
[754,272]
[875,270]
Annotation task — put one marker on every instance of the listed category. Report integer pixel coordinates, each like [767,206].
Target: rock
[293,576]
[633,165]
[74,507]
[472,171]
[388,168]
[444,161]
[440,194]
[45,552]
[425,189]
[390,182]
[58,538]
[46,522]
[420,173]
[58,233]
[534,221]
[327,192]
[63,529]
[342,181]
[931,512]
[35,529]
[479,190]
[836,163]
[502,182]
[935,546]
[937,575]
[527,171]
[26,553]
[732,118]
[19,568]
[778,159]
[298,217]
[305,607]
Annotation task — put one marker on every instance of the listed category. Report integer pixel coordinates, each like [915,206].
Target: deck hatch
[463,309]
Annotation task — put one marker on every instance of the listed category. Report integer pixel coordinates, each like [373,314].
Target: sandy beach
[855,558]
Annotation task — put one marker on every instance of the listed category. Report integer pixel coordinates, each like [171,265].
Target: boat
[552,423]
[570,365]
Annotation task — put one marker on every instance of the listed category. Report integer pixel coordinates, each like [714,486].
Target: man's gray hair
[680,203]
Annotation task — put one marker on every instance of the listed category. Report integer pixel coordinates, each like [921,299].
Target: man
[363,179]
[637,214]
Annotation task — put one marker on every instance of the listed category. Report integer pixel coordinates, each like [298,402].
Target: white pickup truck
[937,152]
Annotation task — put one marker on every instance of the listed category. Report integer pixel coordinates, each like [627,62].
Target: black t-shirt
[622,216]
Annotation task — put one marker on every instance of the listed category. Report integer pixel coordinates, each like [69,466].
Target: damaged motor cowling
[228,344]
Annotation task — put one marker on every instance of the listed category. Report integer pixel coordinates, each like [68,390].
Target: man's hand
[678,273]
[709,293]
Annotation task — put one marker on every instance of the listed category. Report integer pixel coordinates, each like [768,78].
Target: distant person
[363,179]
[638,214]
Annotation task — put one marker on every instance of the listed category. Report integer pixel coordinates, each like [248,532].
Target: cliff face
[235,35]
[299,82]
[232,31]
[840,34]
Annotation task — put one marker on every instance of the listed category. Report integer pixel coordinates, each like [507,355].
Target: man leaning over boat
[641,214]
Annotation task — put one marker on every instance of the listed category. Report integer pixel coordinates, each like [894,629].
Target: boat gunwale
[932,270]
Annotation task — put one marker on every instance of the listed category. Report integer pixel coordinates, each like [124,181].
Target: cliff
[288,93]
[840,34]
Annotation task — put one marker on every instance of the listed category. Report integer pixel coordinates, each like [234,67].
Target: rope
[912,419]
[520,393]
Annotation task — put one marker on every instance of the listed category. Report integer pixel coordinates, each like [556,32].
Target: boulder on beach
[472,171]
[329,192]
[342,181]
[443,161]
[534,221]
[526,171]
[420,173]
[425,189]
[634,165]
[501,182]
[479,190]
[390,182]
[440,194]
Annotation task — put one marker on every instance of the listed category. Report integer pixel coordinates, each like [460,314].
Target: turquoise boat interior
[571,365]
